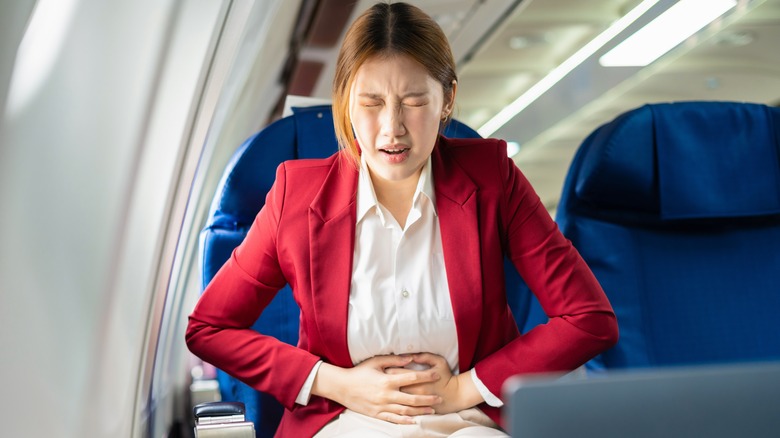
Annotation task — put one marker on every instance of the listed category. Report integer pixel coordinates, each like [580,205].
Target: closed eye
[370,103]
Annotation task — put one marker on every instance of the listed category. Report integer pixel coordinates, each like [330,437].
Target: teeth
[393,151]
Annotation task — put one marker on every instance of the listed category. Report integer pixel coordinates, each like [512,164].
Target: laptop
[741,400]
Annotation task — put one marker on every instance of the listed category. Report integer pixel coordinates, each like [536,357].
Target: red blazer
[305,235]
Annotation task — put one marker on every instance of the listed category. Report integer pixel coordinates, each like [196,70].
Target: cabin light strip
[664,33]
[558,73]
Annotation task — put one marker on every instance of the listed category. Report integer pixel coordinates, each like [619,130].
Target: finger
[395,418]
[397,370]
[409,411]
[417,400]
[414,377]
[429,359]
[390,360]
[420,389]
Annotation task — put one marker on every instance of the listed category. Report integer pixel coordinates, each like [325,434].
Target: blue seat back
[308,133]
[241,192]
[676,209]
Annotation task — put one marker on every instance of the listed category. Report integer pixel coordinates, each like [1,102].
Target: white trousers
[468,423]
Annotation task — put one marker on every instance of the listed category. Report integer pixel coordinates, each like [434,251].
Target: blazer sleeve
[582,323]
[219,327]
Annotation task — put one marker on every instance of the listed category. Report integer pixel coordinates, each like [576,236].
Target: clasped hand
[375,387]
[381,387]
[446,387]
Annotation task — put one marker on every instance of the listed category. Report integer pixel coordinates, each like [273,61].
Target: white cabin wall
[93,157]
[14,16]
[246,67]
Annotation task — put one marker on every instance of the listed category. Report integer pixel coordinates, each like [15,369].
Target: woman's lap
[464,424]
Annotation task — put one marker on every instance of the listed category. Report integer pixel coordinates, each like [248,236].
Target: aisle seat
[676,209]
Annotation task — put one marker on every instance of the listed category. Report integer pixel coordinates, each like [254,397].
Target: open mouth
[394,151]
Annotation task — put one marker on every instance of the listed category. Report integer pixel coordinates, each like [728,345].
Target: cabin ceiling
[504,47]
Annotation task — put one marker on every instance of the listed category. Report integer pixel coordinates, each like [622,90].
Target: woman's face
[396,107]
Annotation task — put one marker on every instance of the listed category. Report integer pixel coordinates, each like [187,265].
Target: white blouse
[399,300]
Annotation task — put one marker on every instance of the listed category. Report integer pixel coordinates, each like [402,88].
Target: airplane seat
[676,209]
[240,194]
[308,133]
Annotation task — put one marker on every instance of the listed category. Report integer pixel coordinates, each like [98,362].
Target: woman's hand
[369,390]
[457,392]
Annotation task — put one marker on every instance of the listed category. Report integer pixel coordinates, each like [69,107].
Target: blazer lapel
[332,219]
[456,202]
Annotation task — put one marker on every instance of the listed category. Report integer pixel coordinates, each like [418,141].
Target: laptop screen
[711,401]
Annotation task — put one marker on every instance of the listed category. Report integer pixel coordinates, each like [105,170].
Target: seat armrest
[222,419]
[218,409]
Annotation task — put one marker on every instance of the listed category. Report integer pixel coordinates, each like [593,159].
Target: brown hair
[387,29]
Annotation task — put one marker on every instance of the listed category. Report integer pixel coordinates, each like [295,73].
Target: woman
[393,248]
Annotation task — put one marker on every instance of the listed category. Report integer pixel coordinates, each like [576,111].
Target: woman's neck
[396,196]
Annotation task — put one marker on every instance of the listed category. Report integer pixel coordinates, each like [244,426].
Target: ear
[449,99]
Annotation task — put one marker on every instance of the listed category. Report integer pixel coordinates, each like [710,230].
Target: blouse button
[405,293]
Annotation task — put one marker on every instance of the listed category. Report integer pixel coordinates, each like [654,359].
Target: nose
[393,122]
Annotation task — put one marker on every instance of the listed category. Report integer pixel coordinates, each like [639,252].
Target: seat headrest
[248,177]
[685,160]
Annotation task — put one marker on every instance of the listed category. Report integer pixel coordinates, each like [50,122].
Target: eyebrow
[410,94]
